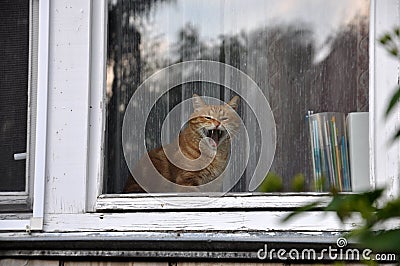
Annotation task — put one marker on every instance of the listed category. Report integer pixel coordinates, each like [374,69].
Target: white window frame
[73,200]
[33,220]
[382,18]
[252,200]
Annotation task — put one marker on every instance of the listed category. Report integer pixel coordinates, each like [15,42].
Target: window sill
[196,221]
[209,202]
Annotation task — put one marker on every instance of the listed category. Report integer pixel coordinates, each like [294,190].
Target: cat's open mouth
[215,135]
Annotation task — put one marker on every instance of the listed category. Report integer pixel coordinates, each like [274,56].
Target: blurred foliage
[298,183]
[374,209]
[272,183]
[368,233]
[391,42]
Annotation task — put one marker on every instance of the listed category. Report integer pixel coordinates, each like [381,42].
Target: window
[79,209]
[14,94]
[23,113]
[300,63]
[377,71]
[14,100]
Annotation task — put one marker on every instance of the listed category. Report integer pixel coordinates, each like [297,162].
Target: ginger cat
[207,131]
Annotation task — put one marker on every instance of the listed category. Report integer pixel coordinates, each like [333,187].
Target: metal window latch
[19,156]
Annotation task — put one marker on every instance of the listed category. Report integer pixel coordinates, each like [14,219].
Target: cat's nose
[217,124]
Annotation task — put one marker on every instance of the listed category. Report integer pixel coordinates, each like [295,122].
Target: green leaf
[271,183]
[390,210]
[393,101]
[382,241]
[346,205]
[385,39]
[394,51]
[309,207]
[396,135]
[363,203]
[397,32]
[298,183]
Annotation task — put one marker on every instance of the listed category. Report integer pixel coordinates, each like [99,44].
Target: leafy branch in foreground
[365,205]
[370,233]
[391,43]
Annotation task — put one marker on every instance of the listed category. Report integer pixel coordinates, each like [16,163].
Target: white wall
[68,106]
[384,78]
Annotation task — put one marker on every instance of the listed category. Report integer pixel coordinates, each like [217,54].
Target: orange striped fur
[209,123]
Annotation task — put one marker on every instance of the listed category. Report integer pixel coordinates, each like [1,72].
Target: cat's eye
[208,117]
[223,118]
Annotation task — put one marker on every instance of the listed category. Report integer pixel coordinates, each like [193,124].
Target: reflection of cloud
[325,17]
[216,17]
[322,51]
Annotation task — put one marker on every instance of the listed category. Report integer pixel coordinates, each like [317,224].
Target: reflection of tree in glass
[234,50]
[124,57]
[280,59]
[189,46]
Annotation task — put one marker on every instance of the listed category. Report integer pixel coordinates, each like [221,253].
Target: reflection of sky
[216,17]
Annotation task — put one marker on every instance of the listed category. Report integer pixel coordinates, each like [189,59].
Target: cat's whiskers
[233,132]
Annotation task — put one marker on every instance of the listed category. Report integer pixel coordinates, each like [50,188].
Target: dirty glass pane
[304,55]
[14,51]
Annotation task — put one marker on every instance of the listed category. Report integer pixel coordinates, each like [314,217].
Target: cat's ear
[234,102]
[197,102]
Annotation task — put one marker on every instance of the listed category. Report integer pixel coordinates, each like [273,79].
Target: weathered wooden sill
[209,201]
